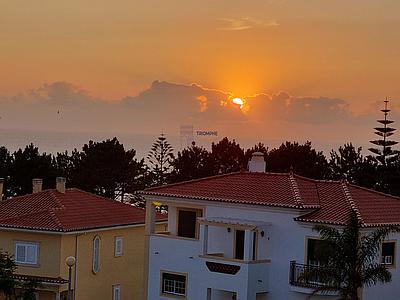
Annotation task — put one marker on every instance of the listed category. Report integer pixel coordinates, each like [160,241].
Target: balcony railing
[305,275]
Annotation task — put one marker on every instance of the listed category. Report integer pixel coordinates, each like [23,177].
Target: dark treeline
[107,168]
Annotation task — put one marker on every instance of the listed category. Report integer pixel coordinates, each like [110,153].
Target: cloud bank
[164,106]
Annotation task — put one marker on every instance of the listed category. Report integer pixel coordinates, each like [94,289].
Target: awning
[231,222]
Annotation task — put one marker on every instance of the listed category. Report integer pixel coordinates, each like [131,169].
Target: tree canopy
[107,168]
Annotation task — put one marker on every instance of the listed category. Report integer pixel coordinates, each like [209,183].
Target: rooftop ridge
[350,200]
[295,190]
[55,198]
[373,191]
[316,180]
[55,218]
[113,201]
[210,177]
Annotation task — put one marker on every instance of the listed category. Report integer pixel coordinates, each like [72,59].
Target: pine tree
[160,158]
[385,155]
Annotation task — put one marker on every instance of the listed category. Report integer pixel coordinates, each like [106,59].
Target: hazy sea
[53,142]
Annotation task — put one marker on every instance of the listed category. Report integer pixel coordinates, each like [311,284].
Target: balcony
[228,274]
[298,276]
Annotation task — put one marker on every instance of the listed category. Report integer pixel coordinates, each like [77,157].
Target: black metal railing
[304,275]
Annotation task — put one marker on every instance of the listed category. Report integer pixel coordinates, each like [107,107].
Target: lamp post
[70,262]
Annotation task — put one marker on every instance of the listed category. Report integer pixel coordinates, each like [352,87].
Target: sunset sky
[296,63]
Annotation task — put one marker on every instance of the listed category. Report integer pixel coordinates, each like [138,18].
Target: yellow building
[105,237]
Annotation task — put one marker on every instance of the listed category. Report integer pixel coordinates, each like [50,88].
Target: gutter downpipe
[76,264]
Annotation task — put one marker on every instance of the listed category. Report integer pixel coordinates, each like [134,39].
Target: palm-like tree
[352,259]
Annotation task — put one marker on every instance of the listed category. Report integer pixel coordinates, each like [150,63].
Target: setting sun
[238,101]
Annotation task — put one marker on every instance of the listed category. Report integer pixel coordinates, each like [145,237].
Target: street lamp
[70,262]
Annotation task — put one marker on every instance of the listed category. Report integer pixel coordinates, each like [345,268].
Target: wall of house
[126,270]
[221,245]
[49,251]
[392,289]
[283,241]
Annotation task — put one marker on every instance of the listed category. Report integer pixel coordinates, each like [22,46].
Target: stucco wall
[49,251]
[284,240]
[126,270]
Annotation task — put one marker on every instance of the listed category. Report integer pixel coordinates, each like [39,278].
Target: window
[116,291]
[316,252]
[118,246]
[239,244]
[26,253]
[187,222]
[174,284]
[388,253]
[96,254]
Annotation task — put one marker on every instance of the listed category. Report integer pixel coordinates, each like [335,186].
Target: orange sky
[338,48]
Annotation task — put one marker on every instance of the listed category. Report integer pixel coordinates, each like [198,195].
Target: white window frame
[116,292]
[26,245]
[96,255]
[173,284]
[118,239]
[389,260]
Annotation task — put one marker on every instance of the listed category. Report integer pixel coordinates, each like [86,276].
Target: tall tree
[191,163]
[349,162]
[106,168]
[66,164]
[5,165]
[351,259]
[384,153]
[304,159]
[28,164]
[227,156]
[160,158]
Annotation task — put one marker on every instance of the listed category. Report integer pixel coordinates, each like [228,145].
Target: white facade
[263,273]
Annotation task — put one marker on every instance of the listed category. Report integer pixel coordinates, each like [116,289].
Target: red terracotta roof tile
[73,210]
[331,201]
[272,189]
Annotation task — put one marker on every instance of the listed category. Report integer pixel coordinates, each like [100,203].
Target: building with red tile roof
[106,237]
[330,201]
[74,210]
[249,235]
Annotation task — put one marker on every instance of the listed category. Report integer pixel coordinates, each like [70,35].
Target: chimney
[257,162]
[60,184]
[1,188]
[37,185]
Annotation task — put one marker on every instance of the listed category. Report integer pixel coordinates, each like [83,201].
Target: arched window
[96,254]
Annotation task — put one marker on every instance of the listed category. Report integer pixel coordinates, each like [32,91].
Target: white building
[247,235]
